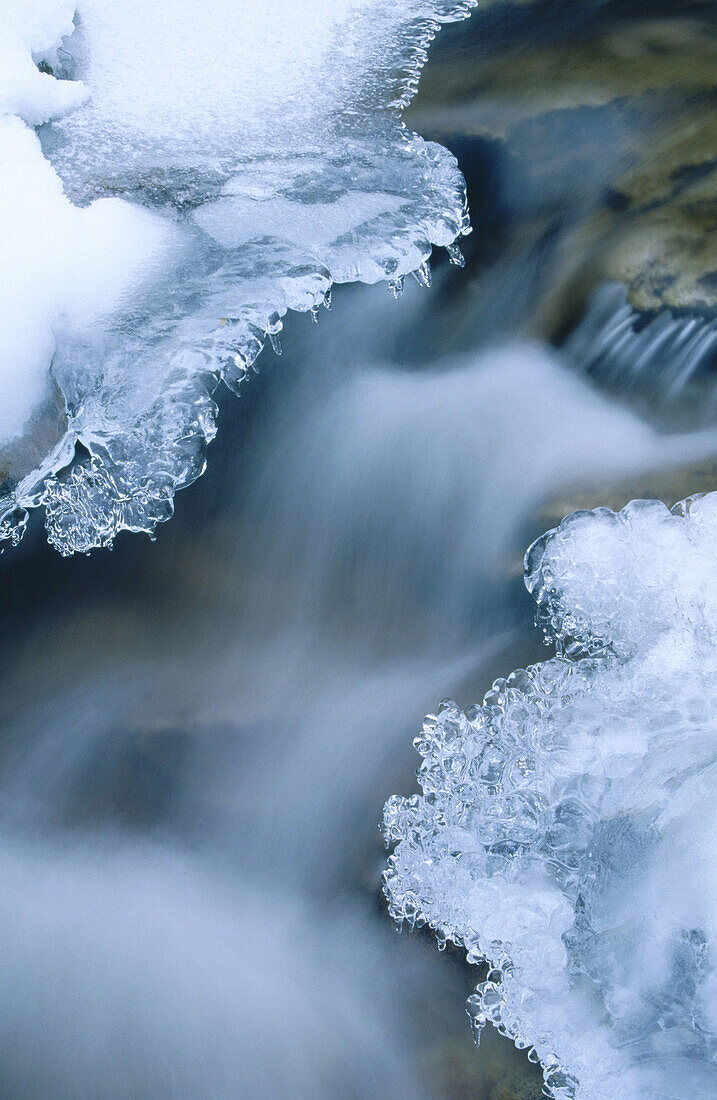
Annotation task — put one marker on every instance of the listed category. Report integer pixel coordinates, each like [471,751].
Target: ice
[566,828]
[206,167]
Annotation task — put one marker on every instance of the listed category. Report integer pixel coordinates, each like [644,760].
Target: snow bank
[62,262]
[30,31]
[566,828]
[266,141]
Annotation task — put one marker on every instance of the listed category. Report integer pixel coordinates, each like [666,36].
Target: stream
[200,732]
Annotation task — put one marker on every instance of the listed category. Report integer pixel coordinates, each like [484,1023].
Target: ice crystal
[264,143]
[566,827]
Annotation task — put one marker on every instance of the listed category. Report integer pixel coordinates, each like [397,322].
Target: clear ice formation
[199,167]
[566,829]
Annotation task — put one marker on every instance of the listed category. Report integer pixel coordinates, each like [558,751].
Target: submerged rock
[669,484]
[499,1073]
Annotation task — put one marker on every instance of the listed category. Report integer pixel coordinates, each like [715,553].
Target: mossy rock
[669,254]
[671,57]
[645,86]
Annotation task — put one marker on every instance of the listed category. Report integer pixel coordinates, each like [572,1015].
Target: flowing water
[200,732]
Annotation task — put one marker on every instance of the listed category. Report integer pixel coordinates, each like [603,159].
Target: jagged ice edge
[88,503]
[441,835]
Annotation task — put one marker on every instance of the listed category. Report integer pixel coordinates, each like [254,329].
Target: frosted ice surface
[207,166]
[566,828]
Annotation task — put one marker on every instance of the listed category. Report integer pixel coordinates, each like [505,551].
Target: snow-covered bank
[268,141]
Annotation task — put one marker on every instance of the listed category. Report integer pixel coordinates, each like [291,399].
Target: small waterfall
[667,361]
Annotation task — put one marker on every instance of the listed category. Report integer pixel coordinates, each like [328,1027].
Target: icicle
[395,286]
[273,328]
[315,314]
[327,299]
[474,1008]
[422,274]
[455,255]
[234,371]
[241,368]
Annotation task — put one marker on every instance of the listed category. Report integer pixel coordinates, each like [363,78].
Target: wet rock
[21,455]
[670,485]
[611,123]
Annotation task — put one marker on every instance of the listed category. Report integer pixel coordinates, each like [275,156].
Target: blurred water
[667,362]
[200,733]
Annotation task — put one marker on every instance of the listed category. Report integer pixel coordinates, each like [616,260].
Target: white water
[191,781]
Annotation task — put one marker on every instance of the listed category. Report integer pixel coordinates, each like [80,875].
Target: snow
[29,31]
[60,265]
